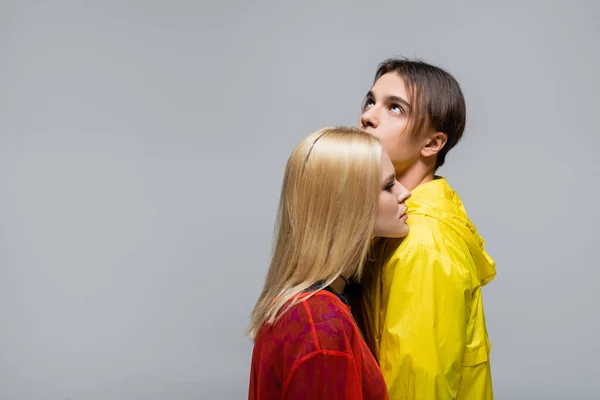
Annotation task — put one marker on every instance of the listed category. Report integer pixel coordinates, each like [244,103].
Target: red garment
[314,352]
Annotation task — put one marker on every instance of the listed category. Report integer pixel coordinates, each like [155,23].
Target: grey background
[142,146]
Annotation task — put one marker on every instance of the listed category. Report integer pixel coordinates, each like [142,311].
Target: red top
[316,352]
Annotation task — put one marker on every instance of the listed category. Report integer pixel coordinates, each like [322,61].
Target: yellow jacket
[425,302]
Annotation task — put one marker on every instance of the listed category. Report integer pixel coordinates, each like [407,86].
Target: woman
[339,192]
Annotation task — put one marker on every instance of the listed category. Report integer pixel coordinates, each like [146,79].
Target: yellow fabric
[425,302]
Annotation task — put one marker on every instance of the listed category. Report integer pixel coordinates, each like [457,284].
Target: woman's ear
[434,144]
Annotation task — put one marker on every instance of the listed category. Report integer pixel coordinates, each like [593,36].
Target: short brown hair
[437,102]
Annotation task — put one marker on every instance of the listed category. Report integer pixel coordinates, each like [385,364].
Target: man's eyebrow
[397,99]
[390,99]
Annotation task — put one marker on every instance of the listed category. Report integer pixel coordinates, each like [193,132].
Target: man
[424,304]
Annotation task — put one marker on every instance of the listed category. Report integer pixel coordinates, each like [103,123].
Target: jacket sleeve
[423,336]
[476,375]
[324,375]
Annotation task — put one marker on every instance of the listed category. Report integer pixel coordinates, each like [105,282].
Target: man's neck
[418,174]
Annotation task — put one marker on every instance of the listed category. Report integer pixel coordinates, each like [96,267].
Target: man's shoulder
[428,241]
[427,232]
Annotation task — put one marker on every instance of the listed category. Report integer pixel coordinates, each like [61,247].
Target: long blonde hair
[326,218]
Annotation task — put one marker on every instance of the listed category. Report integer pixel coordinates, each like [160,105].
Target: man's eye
[397,109]
[368,103]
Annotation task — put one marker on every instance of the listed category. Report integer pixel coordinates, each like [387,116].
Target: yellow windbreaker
[425,305]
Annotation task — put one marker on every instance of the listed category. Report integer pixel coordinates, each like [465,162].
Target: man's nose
[369,119]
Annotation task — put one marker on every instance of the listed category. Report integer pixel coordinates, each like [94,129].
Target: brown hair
[437,102]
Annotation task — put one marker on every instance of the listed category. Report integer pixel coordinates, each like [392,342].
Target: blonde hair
[326,218]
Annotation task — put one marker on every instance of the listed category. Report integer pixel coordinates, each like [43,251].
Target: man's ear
[434,144]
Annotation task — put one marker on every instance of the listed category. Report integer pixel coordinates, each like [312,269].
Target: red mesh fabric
[315,352]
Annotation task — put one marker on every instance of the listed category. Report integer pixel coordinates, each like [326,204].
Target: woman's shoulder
[320,318]
[324,305]
[331,320]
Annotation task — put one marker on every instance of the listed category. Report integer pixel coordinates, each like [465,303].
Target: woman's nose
[404,194]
